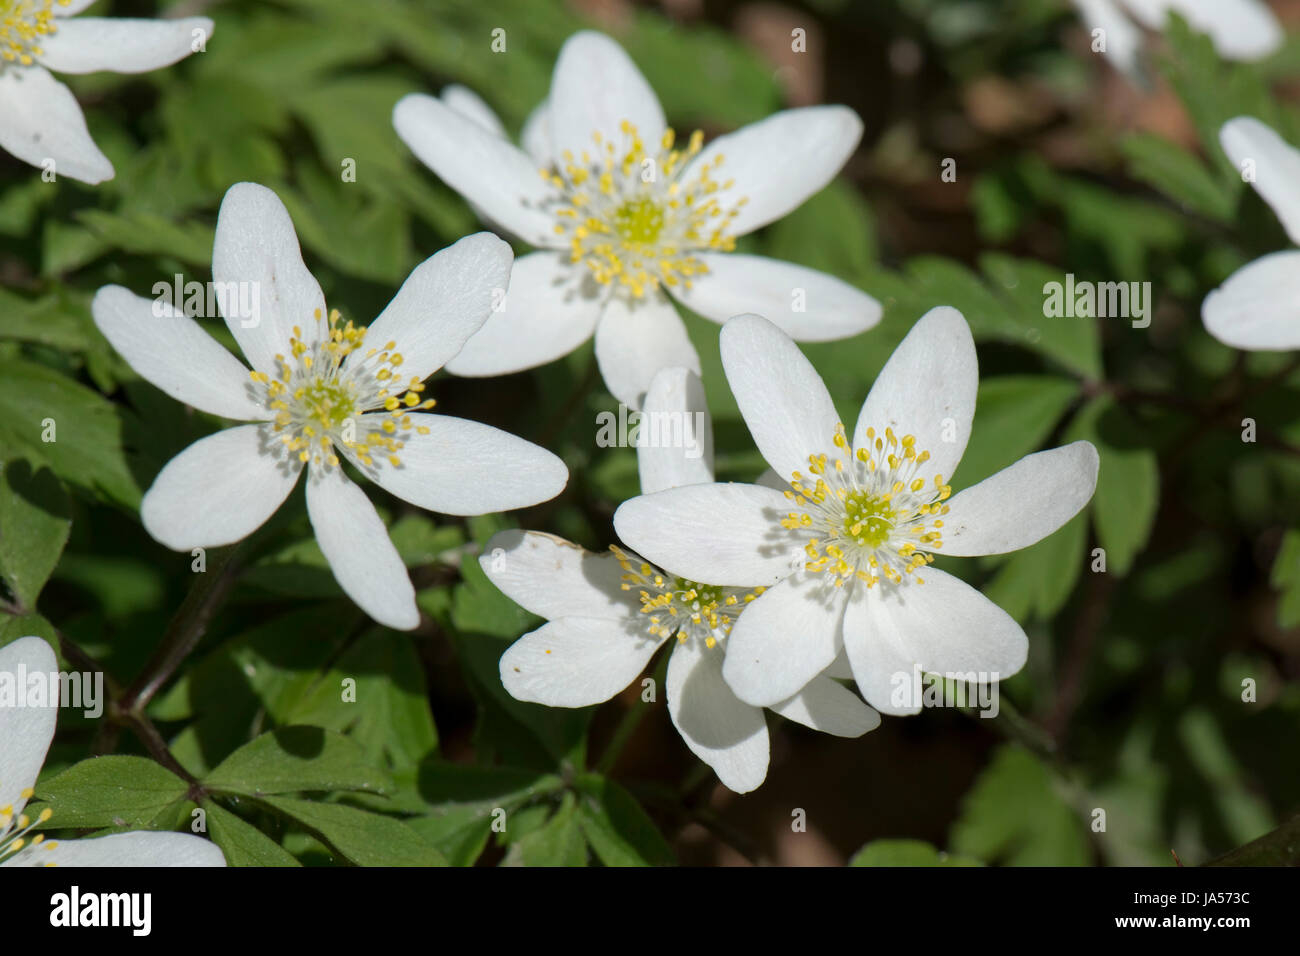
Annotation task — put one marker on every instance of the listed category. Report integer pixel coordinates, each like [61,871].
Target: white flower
[860,517]
[610,612]
[623,214]
[25,735]
[321,390]
[1239,29]
[39,117]
[1256,308]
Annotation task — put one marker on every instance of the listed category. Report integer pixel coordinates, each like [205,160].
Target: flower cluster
[772,595]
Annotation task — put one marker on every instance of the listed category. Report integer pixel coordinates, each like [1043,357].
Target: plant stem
[185,631]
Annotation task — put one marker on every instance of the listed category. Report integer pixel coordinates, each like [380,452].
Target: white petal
[467,468]
[554,578]
[780,161]
[576,661]
[782,398]
[885,670]
[1258,307]
[807,305]
[927,389]
[1022,503]
[121,44]
[830,707]
[723,731]
[25,732]
[169,349]
[1274,162]
[125,849]
[535,137]
[1240,29]
[595,88]
[40,122]
[473,107]
[442,303]
[256,248]
[496,176]
[220,489]
[784,639]
[70,8]
[551,308]
[675,435]
[636,338]
[943,625]
[356,544]
[726,534]
[1123,36]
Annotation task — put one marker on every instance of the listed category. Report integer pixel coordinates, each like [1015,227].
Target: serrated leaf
[297,758]
[86,449]
[34,525]
[241,842]
[364,838]
[558,842]
[113,791]
[619,831]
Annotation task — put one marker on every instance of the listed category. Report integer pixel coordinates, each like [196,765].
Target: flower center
[870,512]
[682,607]
[320,402]
[638,217]
[868,518]
[22,24]
[12,842]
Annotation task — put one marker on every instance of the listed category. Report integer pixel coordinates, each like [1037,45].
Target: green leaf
[34,526]
[1035,582]
[241,842]
[559,842]
[1286,578]
[294,759]
[485,622]
[1013,814]
[1014,414]
[113,791]
[84,446]
[389,716]
[906,853]
[1128,482]
[1281,847]
[363,838]
[620,832]
[1179,175]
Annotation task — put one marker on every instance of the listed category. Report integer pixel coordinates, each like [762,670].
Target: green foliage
[308,735]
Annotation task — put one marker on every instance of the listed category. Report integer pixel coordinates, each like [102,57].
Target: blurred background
[1132,700]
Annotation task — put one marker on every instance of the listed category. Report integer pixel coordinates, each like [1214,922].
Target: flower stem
[631,720]
[185,630]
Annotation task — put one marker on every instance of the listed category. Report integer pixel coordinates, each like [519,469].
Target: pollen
[14,830]
[681,608]
[23,25]
[870,513]
[331,391]
[638,214]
